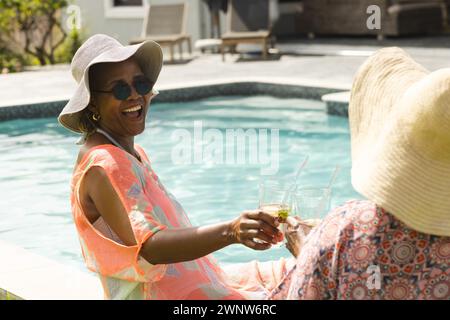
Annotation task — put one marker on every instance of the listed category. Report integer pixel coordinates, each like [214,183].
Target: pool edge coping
[278,87]
[36,273]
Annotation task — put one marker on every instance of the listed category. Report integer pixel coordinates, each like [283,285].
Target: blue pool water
[37,158]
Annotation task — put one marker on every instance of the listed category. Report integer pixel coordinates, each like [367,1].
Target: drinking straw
[330,184]
[333,176]
[300,168]
[297,174]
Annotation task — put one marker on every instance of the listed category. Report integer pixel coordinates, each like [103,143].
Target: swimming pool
[37,158]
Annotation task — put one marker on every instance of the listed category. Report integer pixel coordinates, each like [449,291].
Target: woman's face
[113,115]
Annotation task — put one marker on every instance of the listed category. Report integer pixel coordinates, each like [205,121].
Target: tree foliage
[33,27]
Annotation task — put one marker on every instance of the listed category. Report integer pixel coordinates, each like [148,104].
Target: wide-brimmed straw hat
[102,48]
[400,129]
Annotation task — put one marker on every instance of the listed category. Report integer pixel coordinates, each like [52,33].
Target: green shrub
[66,51]
[35,25]
[10,61]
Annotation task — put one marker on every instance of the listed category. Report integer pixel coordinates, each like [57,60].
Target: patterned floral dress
[362,252]
[151,208]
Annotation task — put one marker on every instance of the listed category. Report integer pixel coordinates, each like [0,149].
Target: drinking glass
[275,198]
[311,204]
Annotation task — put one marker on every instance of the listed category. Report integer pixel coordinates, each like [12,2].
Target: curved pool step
[337,103]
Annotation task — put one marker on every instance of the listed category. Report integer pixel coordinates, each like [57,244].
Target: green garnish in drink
[283,213]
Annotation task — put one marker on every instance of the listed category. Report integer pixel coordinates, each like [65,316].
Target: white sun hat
[102,48]
[399,117]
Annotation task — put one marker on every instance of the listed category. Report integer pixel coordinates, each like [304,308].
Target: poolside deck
[28,276]
[320,63]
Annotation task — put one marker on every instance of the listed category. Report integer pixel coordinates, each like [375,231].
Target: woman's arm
[181,244]
[176,245]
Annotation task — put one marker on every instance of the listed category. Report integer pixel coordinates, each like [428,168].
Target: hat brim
[149,57]
[399,131]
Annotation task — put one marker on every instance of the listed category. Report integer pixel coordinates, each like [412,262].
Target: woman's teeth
[133,112]
[132,109]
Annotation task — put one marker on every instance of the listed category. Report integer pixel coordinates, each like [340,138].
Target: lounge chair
[166,24]
[247,22]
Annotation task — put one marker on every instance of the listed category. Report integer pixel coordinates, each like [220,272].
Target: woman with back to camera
[133,232]
[395,244]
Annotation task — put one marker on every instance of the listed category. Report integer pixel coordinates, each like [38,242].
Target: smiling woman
[133,233]
[115,106]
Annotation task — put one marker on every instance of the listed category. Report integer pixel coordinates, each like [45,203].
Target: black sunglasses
[122,90]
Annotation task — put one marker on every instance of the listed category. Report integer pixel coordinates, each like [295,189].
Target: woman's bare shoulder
[93,141]
[94,175]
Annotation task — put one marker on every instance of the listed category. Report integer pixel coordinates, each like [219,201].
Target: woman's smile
[134,112]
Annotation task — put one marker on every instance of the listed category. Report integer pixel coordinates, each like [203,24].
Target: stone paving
[319,63]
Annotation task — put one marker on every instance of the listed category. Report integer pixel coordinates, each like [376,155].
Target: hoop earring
[95,117]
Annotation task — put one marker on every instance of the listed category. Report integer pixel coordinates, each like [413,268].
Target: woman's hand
[296,232]
[252,225]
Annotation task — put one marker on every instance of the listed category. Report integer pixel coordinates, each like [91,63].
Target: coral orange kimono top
[151,208]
